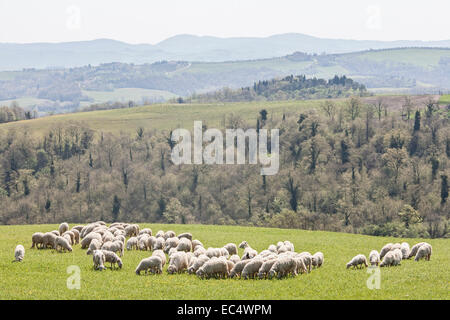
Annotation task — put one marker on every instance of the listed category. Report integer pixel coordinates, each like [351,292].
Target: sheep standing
[238,267]
[87,240]
[231,248]
[251,269]
[171,243]
[98,258]
[76,235]
[317,259]
[63,227]
[391,258]
[153,263]
[357,261]
[307,259]
[235,258]
[405,250]
[94,245]
[161,255]
[283,267]
[197,264]
[414,249]
[49,240]
[112,258]
[424,252]
[132,243]
[178,263]
[213,268]
[374,258]
[196,243]
[159,244]
[19,253]
[184,245]
[264,270]
[387,247]
[186,235]
[37,240]
[62,244]
[249,252]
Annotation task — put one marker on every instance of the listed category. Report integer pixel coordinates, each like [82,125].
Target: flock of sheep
[392,254]
[107,245]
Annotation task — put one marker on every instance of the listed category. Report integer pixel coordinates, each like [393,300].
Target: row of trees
[344,167]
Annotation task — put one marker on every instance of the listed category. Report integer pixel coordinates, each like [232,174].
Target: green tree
[409,215]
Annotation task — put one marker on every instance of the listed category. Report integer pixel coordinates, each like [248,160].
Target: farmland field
[43,273]
[445,99]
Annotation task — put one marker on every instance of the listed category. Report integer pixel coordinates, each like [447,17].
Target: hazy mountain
[14,56]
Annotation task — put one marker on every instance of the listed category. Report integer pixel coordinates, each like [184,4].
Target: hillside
[47,269]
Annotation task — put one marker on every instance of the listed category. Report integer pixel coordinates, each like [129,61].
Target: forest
[350,167]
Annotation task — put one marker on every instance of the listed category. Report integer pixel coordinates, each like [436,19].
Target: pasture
[43,273]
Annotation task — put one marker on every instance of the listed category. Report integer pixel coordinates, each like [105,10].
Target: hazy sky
[150,21]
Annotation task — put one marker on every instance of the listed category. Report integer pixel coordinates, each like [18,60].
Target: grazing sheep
[171,243]
[132,243]
[186,235]
[71,235]
[159,244]
[272,248]
[94,245]
[151,241]
[107,236]
[391,258]
[263,272]
[169,234]
[307,259]
[289,245]
[424,251]
[78,228]
[405,250]
[132,231]
[159,234]
[19,253]
[317,259]
[153,263]
[385,249]
[374,258]
[199,251]
[196,243]
[358,260]
[115,247]
[197,263]
[230,266]
[55,232]
[231,248]
[120,238]
[88,229]
[146,230]
[62,244]
[213,268]
[87,240]
[235,258]
[238,267]
[37,240]
[249,253]
[282,249]
[160,253]
[178,263]
[251,269]
[76,235]
[143,242]
[283,267]
[68,238]
[414,249]
[184,245]
[398,255]
[301,266]
[99,260]
[49,240]
[112,258]
[63,227]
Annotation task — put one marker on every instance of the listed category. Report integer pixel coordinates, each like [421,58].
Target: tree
[417,121]
[409,215]
[354,107]
[116,208]
[444,189]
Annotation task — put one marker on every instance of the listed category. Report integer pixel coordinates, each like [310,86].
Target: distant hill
[15,56]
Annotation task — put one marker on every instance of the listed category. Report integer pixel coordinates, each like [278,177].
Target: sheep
[385,249]
[119,232]
[289,245]
[238,267]
[132,243]
[231,248]
[131,230]
[414,249]
[76,235]
[143,242]
[19,253]
[263,271]
[405,250]
[116,246]
[146,230]
[391,259]
[94,245]
[171,243]
[120,238]
[272,248]
[160,253]
[196,243]
[87,240]
[107,236]
[62,244]
[197,263]
[49,240]
[186,235]
[63,227]
[78,228]
[301,266]
[317,259]
[235,258]
[68,238]
[184,245]
[398,255]
[169,234]
[230,266]
[151,241]
[178,263]
[213,267]
[153,263]
[98,258]
[159,234]
[159,244]
[396,246]
[282,249]
[199,251]
[374,258]
[37,240]
[283,267]
[249,253]
[357,260]
[307,259]
[251,269]
[424,251]
[87,229]
[112,258]
[55,232]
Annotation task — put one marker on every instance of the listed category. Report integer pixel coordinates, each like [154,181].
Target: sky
[151,21]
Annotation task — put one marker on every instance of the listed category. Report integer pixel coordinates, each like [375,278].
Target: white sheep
[199,250]
[87,240]
[357,261]
[169,234]
[317,259]
[289,245]
[143,242]
[63,227]
[178,263]
[238,267]
[307,259]
[374,258]
[171,243]
[235,258]
[213,268]
[264,270]
[160,253]
[231,248]
[62,244]
[301,266]
[94,245]
[184,245]
[49,240]
[98,258]
[153,263]
[185,235]
[272,248]
[146,230]
[424,251]
[132,243]
[387,247]
[159,244]
[159,234]
[283,267]
[196,243]
[37,240]
[19,253]
[251,269]
[414,249]
[115,247]
[249,252]
[76,235]
[392,258]
[197,263]
[405,250]
[112,258]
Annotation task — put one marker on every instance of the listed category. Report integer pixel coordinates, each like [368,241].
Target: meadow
[43,273]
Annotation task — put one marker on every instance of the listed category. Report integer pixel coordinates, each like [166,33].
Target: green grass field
[444,99]
[43,273]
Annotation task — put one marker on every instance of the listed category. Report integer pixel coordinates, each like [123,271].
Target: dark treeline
[14,113]
[351,167]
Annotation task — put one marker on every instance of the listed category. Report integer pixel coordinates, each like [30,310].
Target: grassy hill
[43,275]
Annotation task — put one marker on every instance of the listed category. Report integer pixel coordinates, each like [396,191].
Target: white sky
[150,21]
